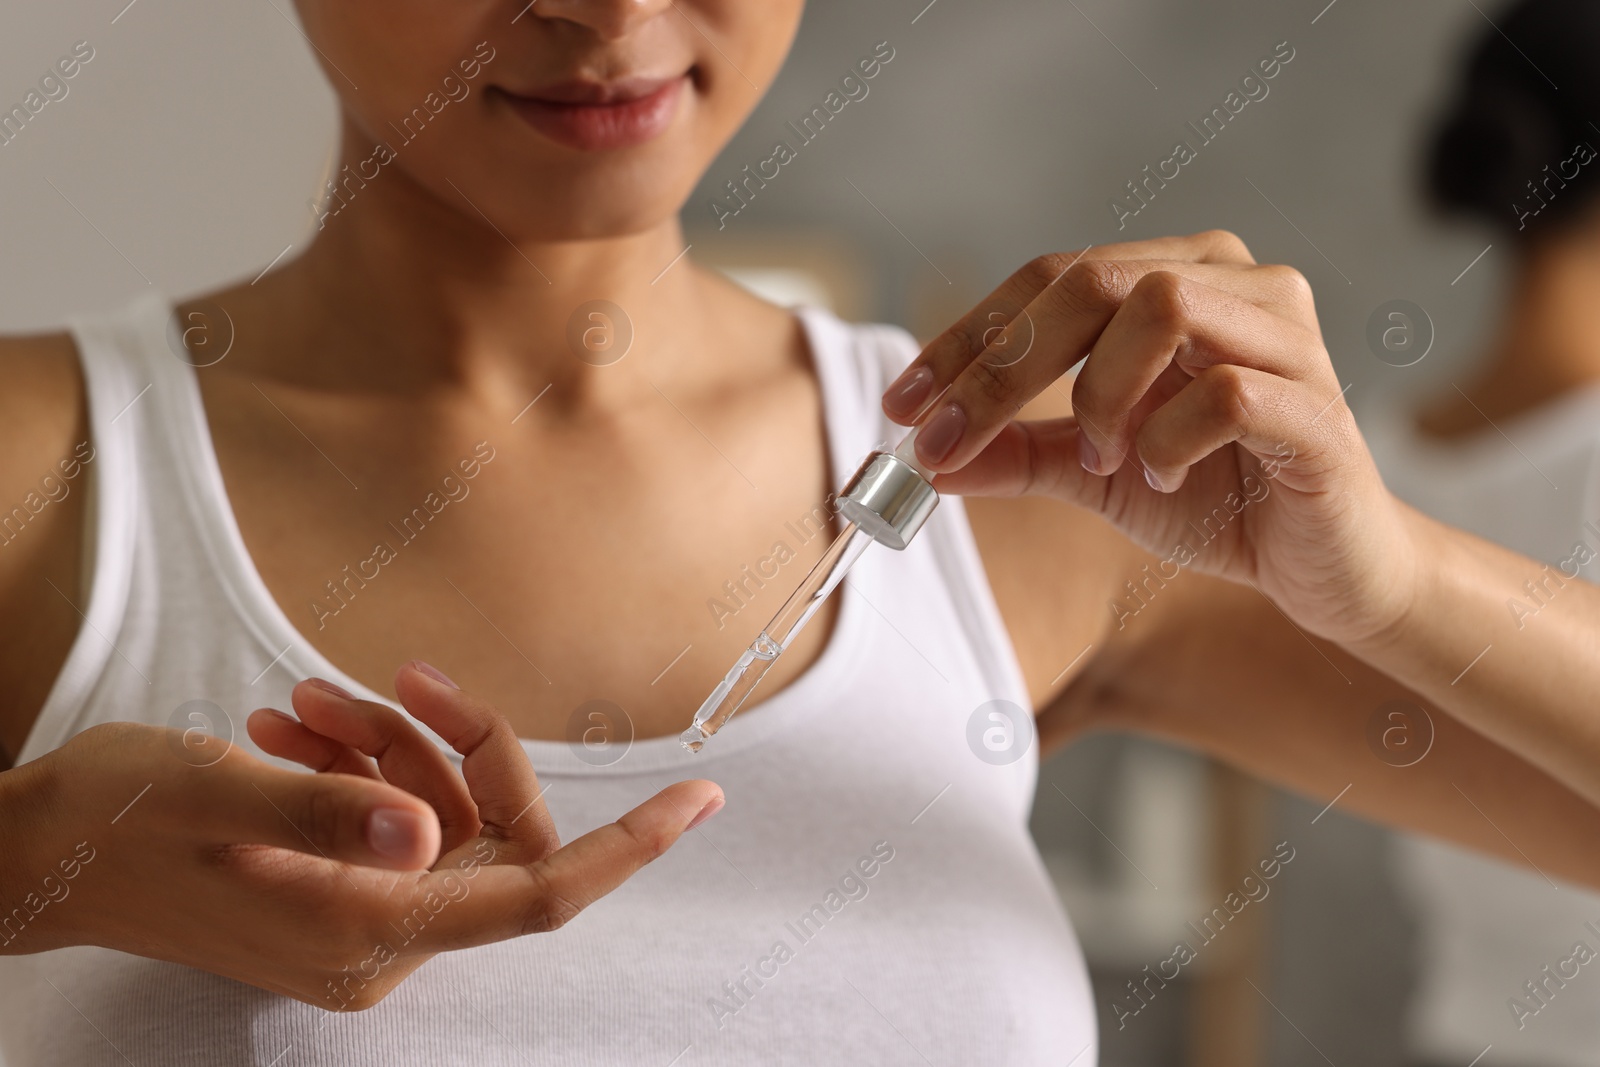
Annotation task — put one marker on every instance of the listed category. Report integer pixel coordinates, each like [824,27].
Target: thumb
[512,899]
[1030,459]
[338,816]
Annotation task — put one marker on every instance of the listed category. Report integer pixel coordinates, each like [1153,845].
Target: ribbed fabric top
[954,951]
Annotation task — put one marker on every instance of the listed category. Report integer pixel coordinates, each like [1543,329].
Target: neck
[427,290]
[1549,337]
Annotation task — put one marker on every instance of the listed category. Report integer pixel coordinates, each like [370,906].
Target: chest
[544,568]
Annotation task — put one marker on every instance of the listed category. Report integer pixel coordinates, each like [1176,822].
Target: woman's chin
[558,220]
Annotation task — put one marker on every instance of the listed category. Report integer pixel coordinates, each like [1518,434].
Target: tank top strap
[117,385]
[855,364]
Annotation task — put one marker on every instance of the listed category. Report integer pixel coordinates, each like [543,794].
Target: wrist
[27,811]
[1411,589]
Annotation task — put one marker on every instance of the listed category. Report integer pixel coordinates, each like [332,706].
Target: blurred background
[188,150]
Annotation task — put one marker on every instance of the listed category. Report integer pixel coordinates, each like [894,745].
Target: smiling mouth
[595,117]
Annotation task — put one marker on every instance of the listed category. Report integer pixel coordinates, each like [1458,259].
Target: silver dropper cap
[891,495]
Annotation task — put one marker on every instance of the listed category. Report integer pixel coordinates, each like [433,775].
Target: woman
[401,455]
[1486,928]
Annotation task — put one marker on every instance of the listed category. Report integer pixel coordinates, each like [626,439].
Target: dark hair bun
[1509,126]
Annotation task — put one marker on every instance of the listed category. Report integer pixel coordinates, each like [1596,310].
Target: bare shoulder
[1054,569]
[38,369]
[43,414]
[44,455]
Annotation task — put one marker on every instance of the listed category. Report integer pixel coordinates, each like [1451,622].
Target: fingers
[1171,322]
[498,775]
[500,795]
[999,333]
[984,326]
[979,374]
[1223,405]
[405,756]
[512,900]
[603,859]
[1035,459]
[1275,419]
[241,800]
[975,377]
[983,376]
[286,737]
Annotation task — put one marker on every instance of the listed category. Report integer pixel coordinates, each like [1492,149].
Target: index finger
[985,326]
[498,774]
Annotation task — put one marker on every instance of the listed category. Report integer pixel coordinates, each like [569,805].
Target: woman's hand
[1208,423]
[330,887]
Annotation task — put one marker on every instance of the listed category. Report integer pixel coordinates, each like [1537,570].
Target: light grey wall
[181,157]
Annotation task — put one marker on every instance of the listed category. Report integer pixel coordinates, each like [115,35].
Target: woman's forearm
[1216,666]
[1509,646]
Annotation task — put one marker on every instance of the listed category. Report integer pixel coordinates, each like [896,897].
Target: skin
[413,329]
[1204,367]
[1548,340]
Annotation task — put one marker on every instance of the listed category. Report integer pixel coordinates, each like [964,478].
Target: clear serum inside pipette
[887,500]
[753,664]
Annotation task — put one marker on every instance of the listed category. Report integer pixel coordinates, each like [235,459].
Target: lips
[596,117]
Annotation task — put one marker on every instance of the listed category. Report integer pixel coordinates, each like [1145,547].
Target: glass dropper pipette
[887,500]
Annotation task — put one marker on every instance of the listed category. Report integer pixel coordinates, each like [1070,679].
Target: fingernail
[1153,481]
[328,687]
[433,672]
[941,433]
[909,392]
[276,714]
[1088,455]
[705,813]
[394,832]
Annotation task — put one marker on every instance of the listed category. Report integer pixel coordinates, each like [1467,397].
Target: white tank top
[956,950]
[1486,928]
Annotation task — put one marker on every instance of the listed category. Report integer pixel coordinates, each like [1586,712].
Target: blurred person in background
[1513,455]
